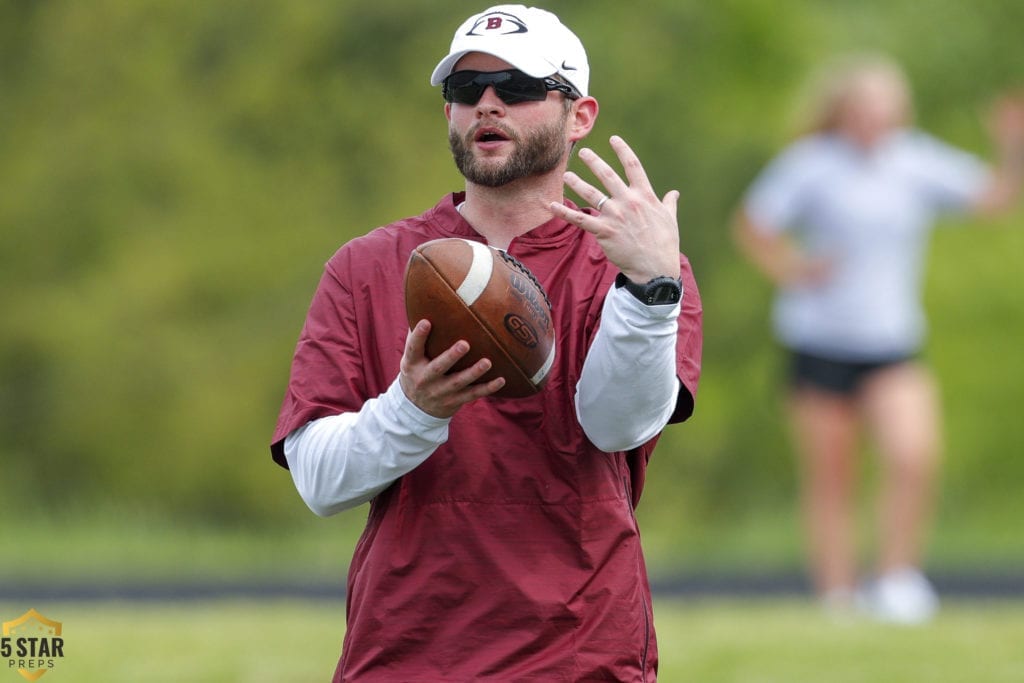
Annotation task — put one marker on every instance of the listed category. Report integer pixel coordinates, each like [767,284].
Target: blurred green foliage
[174,175]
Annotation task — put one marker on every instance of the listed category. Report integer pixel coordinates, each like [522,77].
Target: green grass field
[705,641]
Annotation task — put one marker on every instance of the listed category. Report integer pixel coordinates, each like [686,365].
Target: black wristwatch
[660,290]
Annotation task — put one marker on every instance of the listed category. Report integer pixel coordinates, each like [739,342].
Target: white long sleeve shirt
[626,394]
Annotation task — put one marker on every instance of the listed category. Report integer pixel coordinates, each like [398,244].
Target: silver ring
[601,203]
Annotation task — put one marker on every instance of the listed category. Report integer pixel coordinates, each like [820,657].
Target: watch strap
[660,290]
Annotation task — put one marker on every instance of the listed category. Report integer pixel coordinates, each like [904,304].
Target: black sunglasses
[511,85]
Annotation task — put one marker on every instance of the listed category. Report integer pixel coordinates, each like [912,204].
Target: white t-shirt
[869,212]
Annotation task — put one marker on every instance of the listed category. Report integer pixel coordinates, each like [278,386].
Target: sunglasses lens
[467,94]
[512,86]
[460,87]
[521,88]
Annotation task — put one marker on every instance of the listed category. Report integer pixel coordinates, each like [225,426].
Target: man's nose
[489,102]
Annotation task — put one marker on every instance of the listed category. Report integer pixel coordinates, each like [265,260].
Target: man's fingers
[605,173]
[475,391]
[416,349]
[635,173]
[465,377]
[452,391]
[432,385]
[671,202]
[450,356]
[591,194]
[615,186]
[441,367]
[583,221]
[416,342]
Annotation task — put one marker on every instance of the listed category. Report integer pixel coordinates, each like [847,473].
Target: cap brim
[537,67]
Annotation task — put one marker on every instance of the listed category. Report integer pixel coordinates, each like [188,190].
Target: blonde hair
[831,87]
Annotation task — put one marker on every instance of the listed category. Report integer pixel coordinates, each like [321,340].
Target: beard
[535,154]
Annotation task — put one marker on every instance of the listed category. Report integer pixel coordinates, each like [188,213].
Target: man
[501,542]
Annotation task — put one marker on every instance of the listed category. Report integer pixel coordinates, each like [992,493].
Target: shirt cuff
[408,413]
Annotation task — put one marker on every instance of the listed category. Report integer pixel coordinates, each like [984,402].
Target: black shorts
[836,376]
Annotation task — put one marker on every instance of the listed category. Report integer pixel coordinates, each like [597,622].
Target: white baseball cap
[530,39]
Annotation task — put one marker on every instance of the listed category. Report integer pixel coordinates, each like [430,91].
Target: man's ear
[448,111]
[584,116]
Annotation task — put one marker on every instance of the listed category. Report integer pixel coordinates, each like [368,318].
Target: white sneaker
[904,596]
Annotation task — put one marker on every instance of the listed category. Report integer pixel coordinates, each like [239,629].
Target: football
[468,290]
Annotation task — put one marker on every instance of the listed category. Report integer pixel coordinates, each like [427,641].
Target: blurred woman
[839,222]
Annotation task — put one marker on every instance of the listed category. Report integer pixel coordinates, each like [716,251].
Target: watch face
[663,292]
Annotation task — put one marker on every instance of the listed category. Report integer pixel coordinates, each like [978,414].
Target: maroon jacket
[512,553]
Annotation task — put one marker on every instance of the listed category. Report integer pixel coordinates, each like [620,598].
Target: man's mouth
[490,134]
